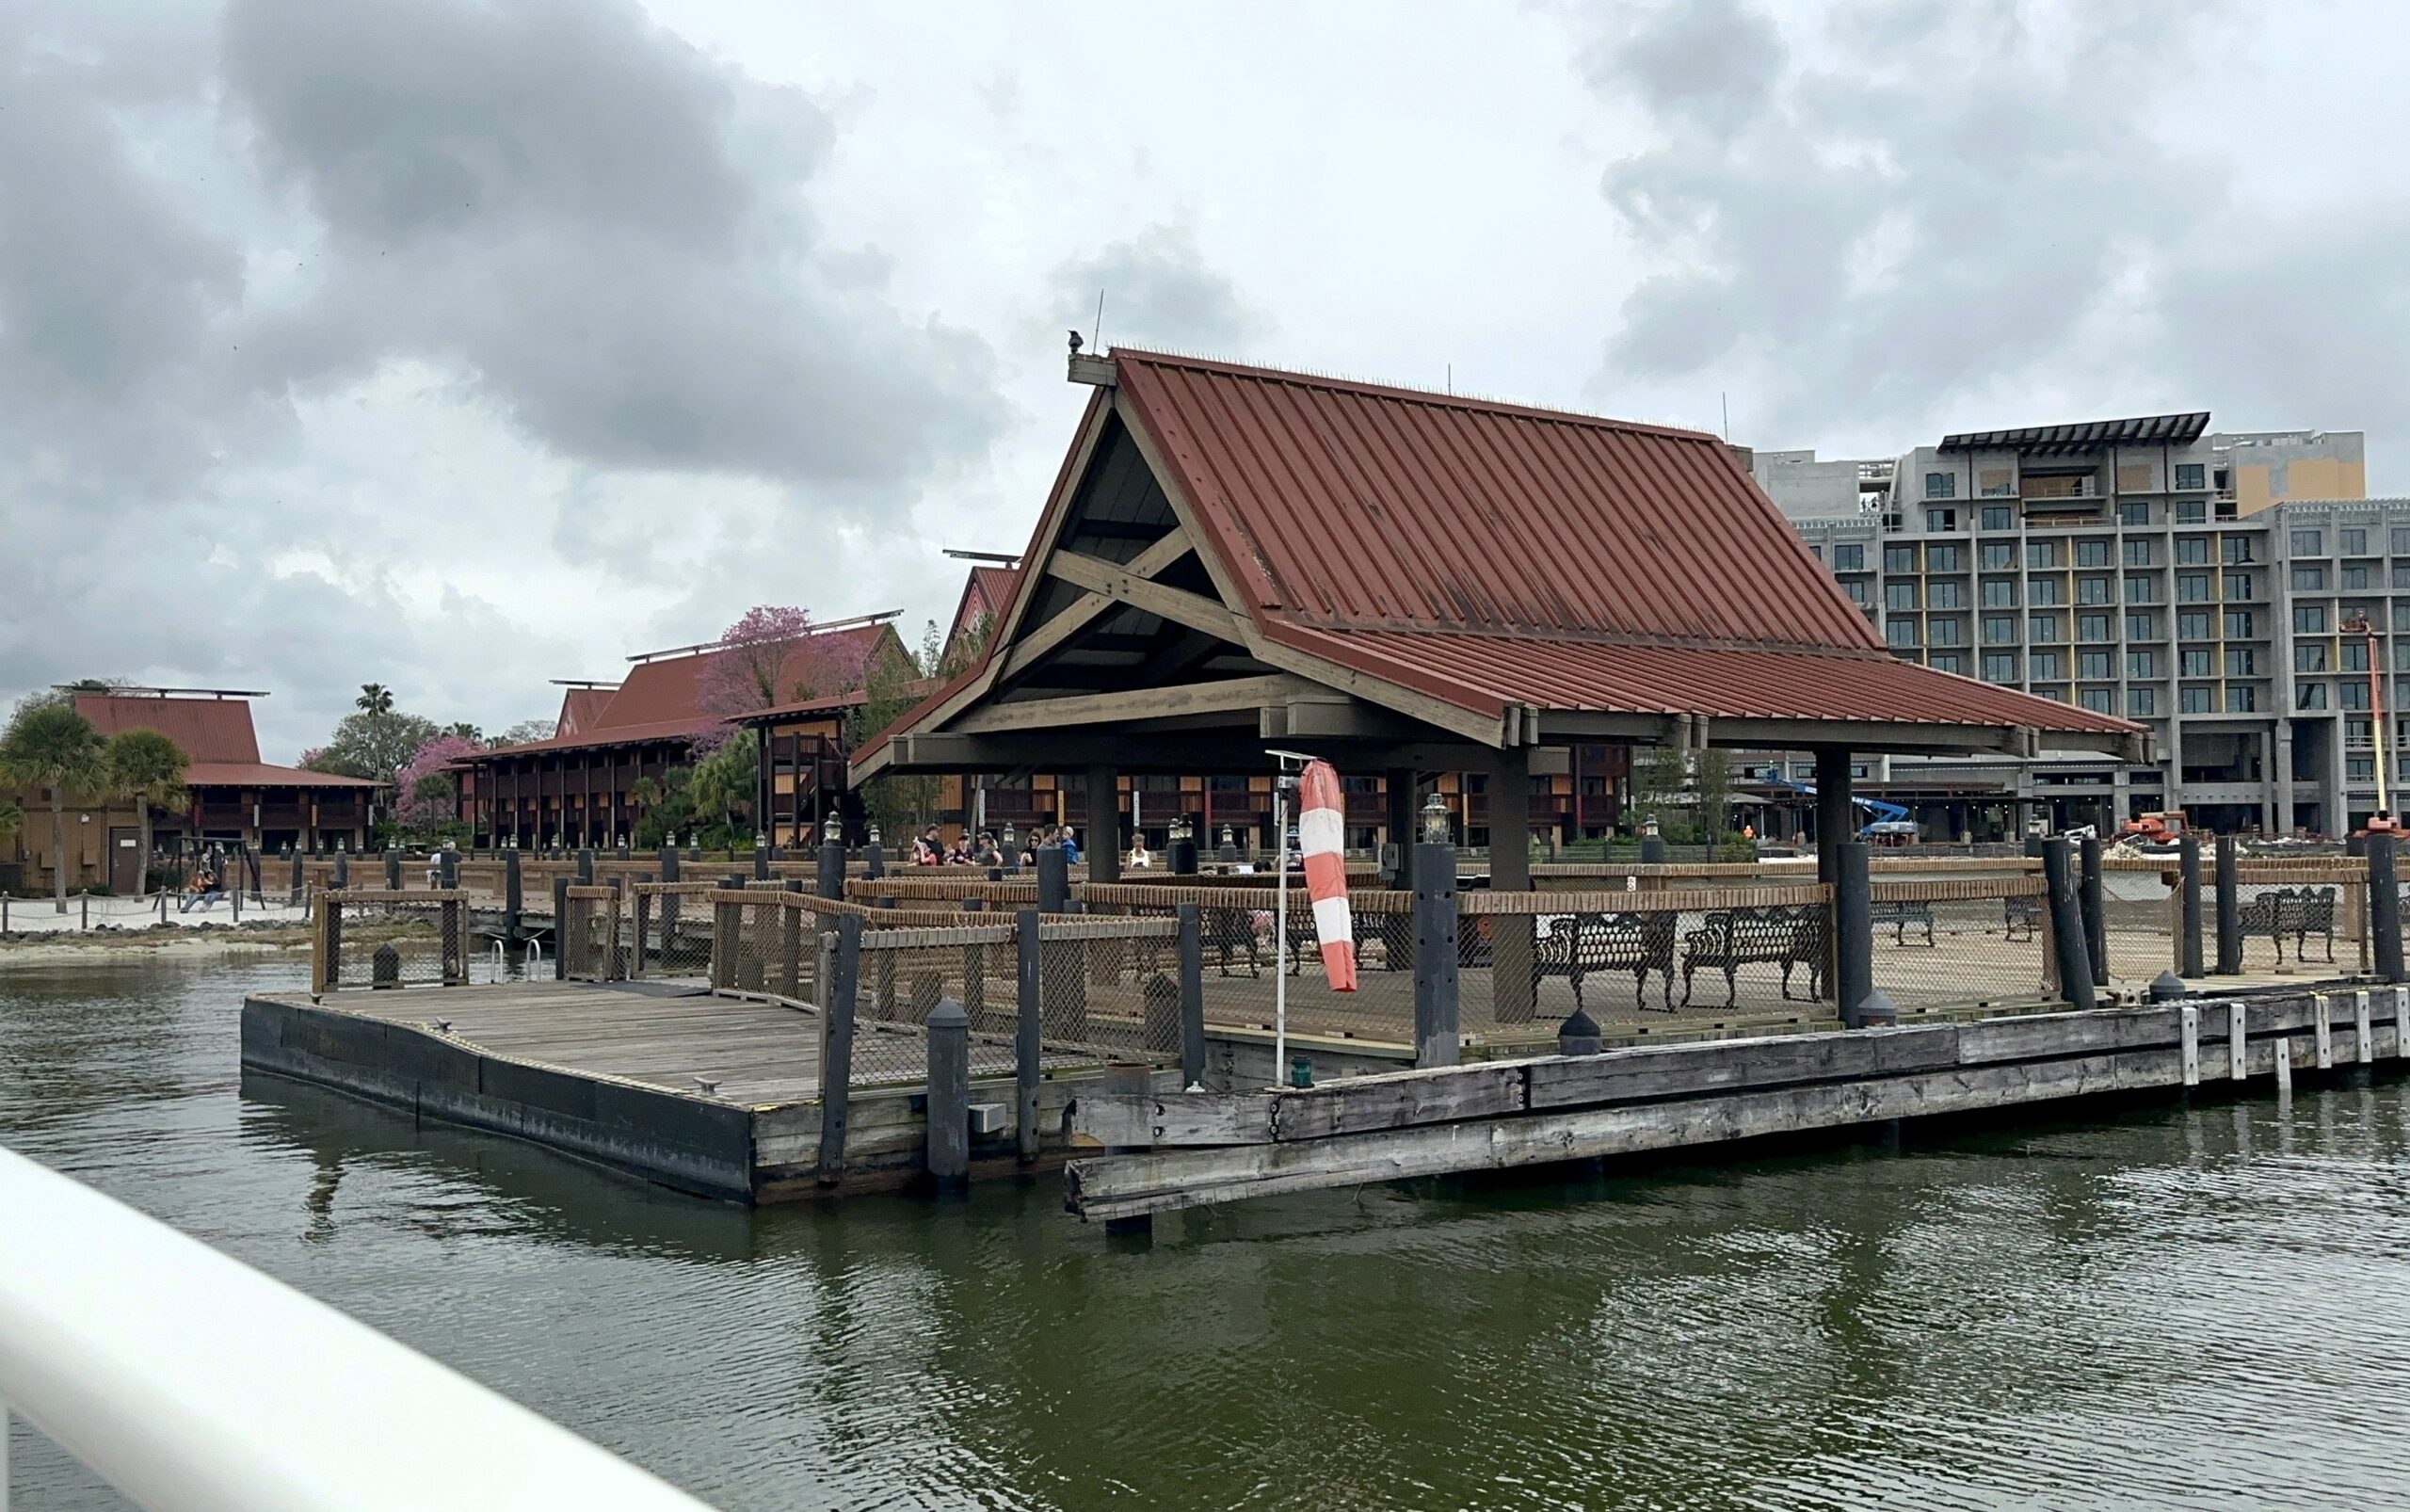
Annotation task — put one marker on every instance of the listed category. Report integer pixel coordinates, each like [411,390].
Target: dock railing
[1963,941]
[378,939]
[193,1383]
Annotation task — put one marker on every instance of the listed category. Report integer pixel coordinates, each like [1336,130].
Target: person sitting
[928,850]
[202,890]
[959,854]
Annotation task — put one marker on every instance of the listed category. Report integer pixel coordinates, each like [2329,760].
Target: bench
[2023,917]
[1588,945]
[1734,938]
[1903,917]
[2296,911]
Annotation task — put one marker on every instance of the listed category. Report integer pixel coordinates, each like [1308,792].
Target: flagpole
[1280,930]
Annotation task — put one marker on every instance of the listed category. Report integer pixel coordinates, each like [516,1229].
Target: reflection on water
[2172,1306]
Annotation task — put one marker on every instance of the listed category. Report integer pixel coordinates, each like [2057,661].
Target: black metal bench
[1591,944]
[2023,917]
[2296,911]
[1734,938]
[1903,917]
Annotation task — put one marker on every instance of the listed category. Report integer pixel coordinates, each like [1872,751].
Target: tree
[668,810]
[12,817]
[893,688]
[1658,773]
[722,784]
[48,744]
[466,731]
[771,657]
[525,732]
[425,794]
[374,697]
[145,768]
[1712,771]
[374,745]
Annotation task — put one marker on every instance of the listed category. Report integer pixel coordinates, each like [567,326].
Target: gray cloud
[1159,290]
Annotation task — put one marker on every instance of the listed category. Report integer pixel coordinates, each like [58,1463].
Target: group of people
[931,849]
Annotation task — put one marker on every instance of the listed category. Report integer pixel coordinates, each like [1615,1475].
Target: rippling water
[2202,1306]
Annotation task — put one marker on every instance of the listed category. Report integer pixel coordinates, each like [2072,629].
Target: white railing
[193,1383]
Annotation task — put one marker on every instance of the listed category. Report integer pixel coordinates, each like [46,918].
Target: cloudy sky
[457,344]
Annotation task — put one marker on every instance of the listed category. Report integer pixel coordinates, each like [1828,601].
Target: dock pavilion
[1410,583]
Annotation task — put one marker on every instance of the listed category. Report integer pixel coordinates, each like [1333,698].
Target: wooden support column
[1512,983]
[1399,794]
[1834,825]
[1103,837]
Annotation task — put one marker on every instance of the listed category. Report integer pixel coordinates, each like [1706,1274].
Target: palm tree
[53,746]
[145,768]
[374,697]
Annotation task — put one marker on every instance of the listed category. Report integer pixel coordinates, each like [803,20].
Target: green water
[2176,1306]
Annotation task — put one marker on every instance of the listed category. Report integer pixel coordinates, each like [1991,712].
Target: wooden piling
[2385,908]
[1191,995]
[1438,1023]
[1028,1032]
[2096,923]
[2066,927]
[837,1045]
[2188,906]
[2229,908]
[949,1104]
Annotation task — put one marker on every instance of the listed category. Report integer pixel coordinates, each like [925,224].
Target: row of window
[2046,592]
[2311,577]
[2041,555]
[2189,477]
[2350,540]
[2144,624]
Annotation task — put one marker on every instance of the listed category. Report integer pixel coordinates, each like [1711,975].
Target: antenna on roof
[1000,559]
[1725,401]
[1096,332]
[1452,379]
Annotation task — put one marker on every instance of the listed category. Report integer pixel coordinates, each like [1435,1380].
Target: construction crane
[1890,820]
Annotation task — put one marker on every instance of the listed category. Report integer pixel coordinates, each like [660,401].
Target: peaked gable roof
[581,709]
[207,730]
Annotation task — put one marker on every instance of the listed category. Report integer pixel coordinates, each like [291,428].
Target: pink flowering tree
[425,791]
[768,657]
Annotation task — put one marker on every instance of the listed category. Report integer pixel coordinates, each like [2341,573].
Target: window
[2137,551]
[2310,544]
[1849,558]
[1945,595]
[1941,518]
[2309,656]
[2237,588]
[2192,550]
[2194,660]
[2134,512]
[2238,624]
[2193,624]
[2360,731]
[2402,614]
[1900,595]
[1998,556]
[2091,627]
[2355,655]
[2000,593]
[2142,702]
[2355,541]
[2191,511]
[1817,551]
[1899,558]
[1999,517]
[2000,666]
[2359,768]
[1946,632]
[2310,695]
[2048,627]
[2188,475]
[1855,589]
[2141,626]
[2093,665]
[2308,577]
[2192,587]
[2091,554]
[2045,666]
[2310,618]
[2242,698]
[2099,700]
[1942,485]
[1950,661]
[2041,554]
[2241,661]
[2140,588]
[2000,629]
[2093,590]
[2355,576]
[1996,483]
[1901,632]
[2234,549]
[2141,663]
[2193,700]
[2043,590]
[2400,540]
[1942,557]
[2401,574]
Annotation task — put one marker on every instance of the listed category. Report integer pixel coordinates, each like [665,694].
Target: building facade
[2145,568]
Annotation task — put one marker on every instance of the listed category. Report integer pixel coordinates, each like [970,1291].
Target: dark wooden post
[514,899]
[874,858]
[1834,813]
[1129,1081]
[560,927]
[392,871]
[447,869]
[1028,1030]
[585,868]
[2187,907]
[1652,849]
[761,863]
[949,1115]
[1054,881]
[1437,1011]
[2229,909]
[791,942]
[1852,930]
[2067,925]
[1104,840]
[1191,995]
[1398,790]
[2385,908]
[2094,908]
[837,1046]
[828,878]
[343,871]
[669,901]
[1579,1035]
[294,901]
[1513,988]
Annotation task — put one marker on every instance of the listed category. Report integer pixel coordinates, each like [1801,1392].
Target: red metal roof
[581,708]
[259,774]
[207,730]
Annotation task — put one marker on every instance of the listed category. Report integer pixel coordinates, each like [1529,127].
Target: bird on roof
[1075,342]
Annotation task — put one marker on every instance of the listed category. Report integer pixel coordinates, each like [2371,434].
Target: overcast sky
[457,344]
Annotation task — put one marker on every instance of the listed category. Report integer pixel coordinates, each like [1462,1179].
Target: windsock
[1322,839]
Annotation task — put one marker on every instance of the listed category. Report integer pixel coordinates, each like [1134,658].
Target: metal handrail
[193,1383]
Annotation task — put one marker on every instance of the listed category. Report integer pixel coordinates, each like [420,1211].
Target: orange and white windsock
[1322,839]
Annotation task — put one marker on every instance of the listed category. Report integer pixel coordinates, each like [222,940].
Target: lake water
[2203,1306]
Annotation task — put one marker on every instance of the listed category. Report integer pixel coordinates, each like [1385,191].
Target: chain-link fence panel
[764,940]
[2292,924]
[2142,915]
[1940,944]
[380,940]
[673,929]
